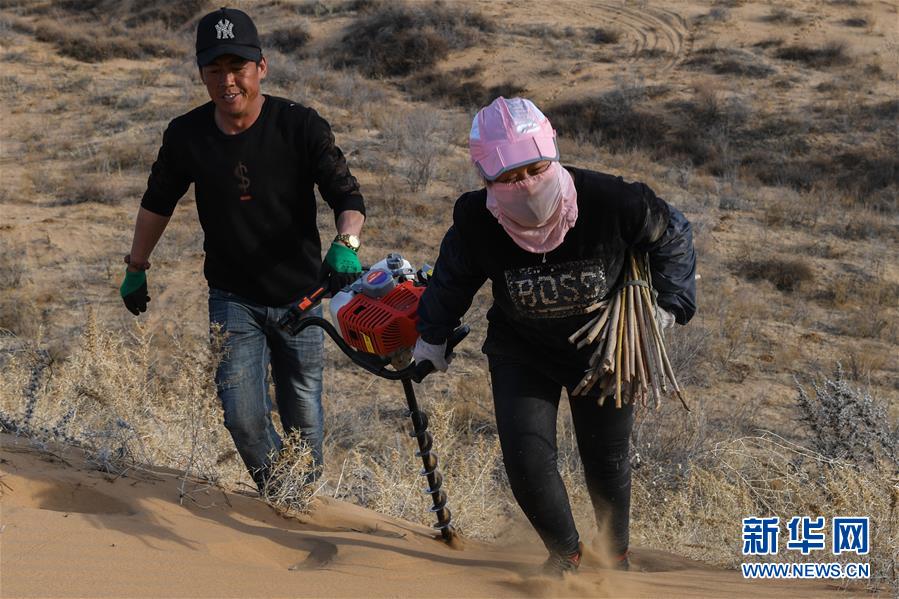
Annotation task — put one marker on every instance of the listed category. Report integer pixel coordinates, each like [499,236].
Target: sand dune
[69,531]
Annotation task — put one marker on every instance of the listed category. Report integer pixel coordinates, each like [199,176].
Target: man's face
[233,83]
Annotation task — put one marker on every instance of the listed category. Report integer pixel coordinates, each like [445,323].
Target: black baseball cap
[227,31]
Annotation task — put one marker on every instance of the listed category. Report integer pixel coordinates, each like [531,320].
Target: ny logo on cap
[224,29]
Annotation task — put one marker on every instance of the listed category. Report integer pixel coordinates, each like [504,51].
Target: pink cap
[508,134]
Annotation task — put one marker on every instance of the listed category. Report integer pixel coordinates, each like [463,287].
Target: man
[253,160]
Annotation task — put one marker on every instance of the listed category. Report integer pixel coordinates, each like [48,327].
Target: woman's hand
[435,354]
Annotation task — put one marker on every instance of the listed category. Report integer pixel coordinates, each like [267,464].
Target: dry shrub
[722,133]
[786,274]
[855,22]
[727,321]
[848,423]
[870,289]
[11,268]
[290,40]
[125,152]
[82,42]
[330,7]
[729,61]
[828,55]
[173,15]
[87,189]
[856,225]
[794,209]
[603,35]
[170,15]
[289,486]
[718,14]
[618,119]
[18,312]
[418,138]
[771,42]
[404,38]
[868,322]
[98,30]
[459,87]
[784,16]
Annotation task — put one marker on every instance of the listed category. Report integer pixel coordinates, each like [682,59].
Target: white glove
[664,318]
[428,351]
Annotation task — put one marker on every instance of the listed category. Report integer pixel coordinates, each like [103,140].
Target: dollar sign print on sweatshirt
[243,182]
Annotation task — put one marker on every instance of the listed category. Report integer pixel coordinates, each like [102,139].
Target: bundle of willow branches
[630,357]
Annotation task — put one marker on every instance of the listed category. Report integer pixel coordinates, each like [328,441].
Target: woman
[553,241]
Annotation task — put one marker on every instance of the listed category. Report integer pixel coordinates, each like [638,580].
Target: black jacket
[255,195]
[539,300]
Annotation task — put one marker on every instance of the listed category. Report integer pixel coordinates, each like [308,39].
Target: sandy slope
[68,531]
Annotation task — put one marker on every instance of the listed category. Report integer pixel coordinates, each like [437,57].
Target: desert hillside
[71,532]
[773,127]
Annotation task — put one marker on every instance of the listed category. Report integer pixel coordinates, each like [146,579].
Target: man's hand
[436,354]
[341,267]
[134,291]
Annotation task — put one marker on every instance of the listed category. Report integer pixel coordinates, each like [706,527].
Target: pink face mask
[537,211]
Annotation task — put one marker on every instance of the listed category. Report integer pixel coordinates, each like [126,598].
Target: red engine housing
[383,325]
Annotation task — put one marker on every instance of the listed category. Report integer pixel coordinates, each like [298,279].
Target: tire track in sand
[650,29]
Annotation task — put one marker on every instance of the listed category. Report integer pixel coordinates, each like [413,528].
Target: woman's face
[523,172]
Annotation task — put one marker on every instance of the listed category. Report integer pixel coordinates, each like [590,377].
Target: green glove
[341,267]
[342,259]
[134,291]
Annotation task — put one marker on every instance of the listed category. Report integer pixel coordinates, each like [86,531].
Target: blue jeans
[252,342]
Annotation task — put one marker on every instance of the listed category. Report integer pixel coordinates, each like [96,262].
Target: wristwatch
[351,241]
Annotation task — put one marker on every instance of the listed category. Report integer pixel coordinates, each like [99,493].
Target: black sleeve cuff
[349,202]
[147,204]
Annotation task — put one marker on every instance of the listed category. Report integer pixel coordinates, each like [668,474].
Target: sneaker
[622,562]
[556,564]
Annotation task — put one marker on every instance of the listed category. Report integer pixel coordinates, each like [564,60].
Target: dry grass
[386,478]
[111,397]
[763,475]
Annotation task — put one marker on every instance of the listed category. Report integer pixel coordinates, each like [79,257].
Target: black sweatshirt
[539,299]
[255,196]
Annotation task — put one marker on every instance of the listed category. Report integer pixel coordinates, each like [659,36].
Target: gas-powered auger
[377,315]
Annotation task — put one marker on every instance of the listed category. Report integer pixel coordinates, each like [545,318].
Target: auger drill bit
[429,462]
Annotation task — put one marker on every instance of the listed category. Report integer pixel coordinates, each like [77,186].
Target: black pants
[527,402]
